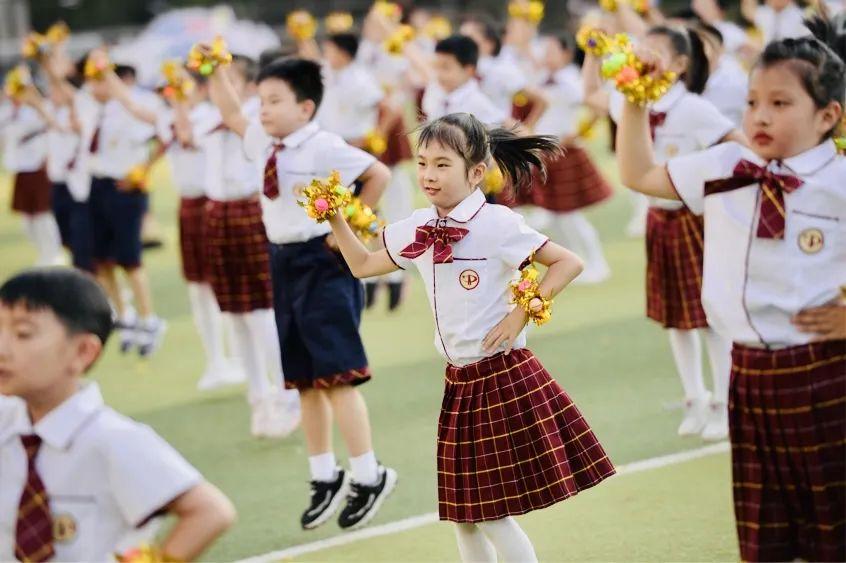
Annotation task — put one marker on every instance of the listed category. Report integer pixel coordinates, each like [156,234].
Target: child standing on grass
[774,276]
[510,440]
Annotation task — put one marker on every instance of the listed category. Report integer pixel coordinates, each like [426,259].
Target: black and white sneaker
[364,501]
[326,497]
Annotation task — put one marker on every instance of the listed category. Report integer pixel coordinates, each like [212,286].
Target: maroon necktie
[773,187]
[656,119]
[34,529]
[271,177]
[439,237]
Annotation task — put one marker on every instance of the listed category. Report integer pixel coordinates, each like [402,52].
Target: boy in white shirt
[79,478]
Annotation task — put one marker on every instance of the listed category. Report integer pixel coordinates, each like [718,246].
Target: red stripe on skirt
[237,255]
[787,419]
[32,192]
[192,221]
[674,253]
[573,182]
[510,441]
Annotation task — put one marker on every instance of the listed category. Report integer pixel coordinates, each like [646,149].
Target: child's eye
[780,103]
[442,165]
[751,103]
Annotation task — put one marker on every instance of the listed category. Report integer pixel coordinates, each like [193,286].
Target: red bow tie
[441,237]
[656,119]
[773,188]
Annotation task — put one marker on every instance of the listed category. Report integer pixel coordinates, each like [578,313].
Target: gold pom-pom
[300,25]
[323,197]
[640,6]
[520,99]
[395,43]
[525,294]
[57,33]
[840,136]
[207,63]
[338,22]
[363,221]
[144,554]
[136,178]
[494,181]
[529,10]
[584,129]
[34,46]
[178,84]
[17,81]
[389,10]
[375,143]
[437,28]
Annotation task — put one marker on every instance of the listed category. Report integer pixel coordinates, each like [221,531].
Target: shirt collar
[468,208]
[299,136]
[813,159]
[62,423]
[460,93]
[673,95]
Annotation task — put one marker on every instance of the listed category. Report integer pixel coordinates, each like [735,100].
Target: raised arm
[749,9]
[123,94]
[363,263]
[636,158]
[223,95]
[595,96]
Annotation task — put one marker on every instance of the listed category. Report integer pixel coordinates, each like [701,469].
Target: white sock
[365,468]
[473,545]
[510,540]
[29,229]
[587,244]
[323,467]
[719,355]
[687,352]
[47,238]
[271,340]
[207,319]
[249,340]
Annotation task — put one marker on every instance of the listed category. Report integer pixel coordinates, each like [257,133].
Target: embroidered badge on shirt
[469,279]
[671,151]
[64,528]
[811,241]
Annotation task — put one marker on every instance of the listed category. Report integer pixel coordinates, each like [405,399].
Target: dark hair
[270,55]
[346,42]
[73,296]
[461,47]
[489,28]
[686,42]
[302,76]
[125,71]
[246,66]
[817,60]
[709,30]
[516,156]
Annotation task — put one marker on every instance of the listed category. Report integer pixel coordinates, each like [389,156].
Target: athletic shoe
[695,416]
[326,497]
[150,336]
[220,375]
[364,501]
[716,427]
[281,413]
[127,327]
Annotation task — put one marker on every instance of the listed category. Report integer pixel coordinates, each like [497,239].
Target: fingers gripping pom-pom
[324,197]
[206,60]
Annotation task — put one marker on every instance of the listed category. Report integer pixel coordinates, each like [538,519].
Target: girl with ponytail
[509,438]
[774,283]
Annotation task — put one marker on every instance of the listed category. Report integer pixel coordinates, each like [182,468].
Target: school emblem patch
[469,279]
[64,528]
[811,241]
[671,150]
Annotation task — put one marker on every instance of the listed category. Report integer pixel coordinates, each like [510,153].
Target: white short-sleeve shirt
[467,98]
[752,286]
[350,106]
[692,123]
[500,79]
[104,475]
[471,294]
[62,145]
[727,88]
[188,164]
[784,24]
[565,93]
[25,141]
[309,153]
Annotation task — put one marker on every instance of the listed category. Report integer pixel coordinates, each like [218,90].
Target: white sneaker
[150,334]
[695,416]
[220,375]
[127,327]
[282,413]
[257,419]
[716,428]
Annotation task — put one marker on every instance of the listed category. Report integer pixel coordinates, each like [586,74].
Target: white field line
[432,517]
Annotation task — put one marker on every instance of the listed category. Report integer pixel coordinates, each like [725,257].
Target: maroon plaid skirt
[674,268]
[399,147]
[192,220]
[32,192]
[237,256]
[787,419]
[573,182]
[511,441]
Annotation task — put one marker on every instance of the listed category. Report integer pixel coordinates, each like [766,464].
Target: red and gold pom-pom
[207,63]
[301,25]
[338,22]
[178,84]
[525,293]
[323,197]
[395,43]
[17,81]
[363,221]
[96,66]
[529,10]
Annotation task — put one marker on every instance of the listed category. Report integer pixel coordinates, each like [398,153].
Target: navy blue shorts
[81,236]
[116,218]
[318,305]
[62,203]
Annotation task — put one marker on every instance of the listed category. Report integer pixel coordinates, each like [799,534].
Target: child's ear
[477,173]
[831,116]
[309,108]
[88,349]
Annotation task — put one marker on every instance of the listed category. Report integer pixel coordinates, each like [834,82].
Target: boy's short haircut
[346,42]
[74,297]
[246,66]
[125,71]
[303,76]
[270,55]
[464,49]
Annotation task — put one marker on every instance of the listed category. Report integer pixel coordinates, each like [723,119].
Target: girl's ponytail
[698,70]
[516,155]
